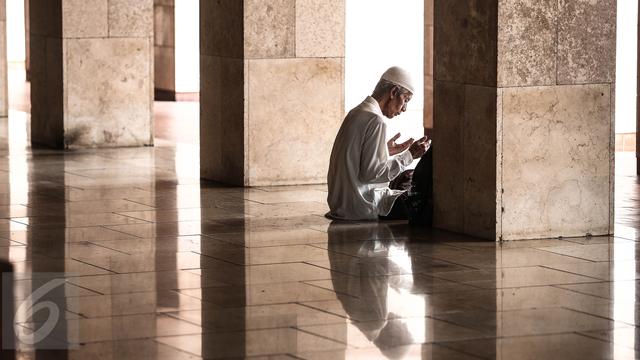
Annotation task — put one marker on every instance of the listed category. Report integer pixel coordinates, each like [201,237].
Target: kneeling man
[363,162]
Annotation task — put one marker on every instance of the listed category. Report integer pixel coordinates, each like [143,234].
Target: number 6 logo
[26,309]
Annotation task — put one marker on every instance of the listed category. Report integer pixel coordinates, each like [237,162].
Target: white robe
[361,168]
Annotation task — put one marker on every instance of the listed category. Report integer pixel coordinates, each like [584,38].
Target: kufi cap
[399,76]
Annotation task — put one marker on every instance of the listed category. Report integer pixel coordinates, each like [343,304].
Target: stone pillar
[524,117]
[428,67]
[638,102]
[91,72]
[4,78]
[272,84]
[165,50]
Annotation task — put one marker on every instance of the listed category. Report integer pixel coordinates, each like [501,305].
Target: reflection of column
[47,250]
[4,75]
[523,117]
[212,315]
[91,73]
[270,70]
[428,67]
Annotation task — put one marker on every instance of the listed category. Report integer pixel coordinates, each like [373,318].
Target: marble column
[272,85]
[165,50]
[4,79]
[91,72]
[523,117]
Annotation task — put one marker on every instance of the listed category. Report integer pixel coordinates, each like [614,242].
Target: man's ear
[394,92]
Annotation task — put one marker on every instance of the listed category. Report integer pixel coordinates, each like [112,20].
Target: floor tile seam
[288,262]
[601,317]
[538,285]
[593,337]
[119,231]
[331,290]
[321,310]
[569,256]
[95,266]
[109,248]
[132,217]
[80,175]
[171,347]
[550,267]
[97,293]
[324,337]
[444,345]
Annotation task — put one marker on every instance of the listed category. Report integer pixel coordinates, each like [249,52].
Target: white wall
[187,46]
[15,30]
[626,66]
[381,34]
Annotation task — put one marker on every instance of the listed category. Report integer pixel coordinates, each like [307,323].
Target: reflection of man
[363,162]
[364,292]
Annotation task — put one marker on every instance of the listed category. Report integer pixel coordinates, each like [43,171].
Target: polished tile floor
[159,265]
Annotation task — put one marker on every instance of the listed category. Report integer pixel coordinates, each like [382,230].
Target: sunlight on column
[15,31]
[381,34]
[626,66]
[187,44]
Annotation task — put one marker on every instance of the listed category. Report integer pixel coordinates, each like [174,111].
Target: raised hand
[419,147]
[394,148]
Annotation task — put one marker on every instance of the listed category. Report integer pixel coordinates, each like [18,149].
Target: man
[363,162]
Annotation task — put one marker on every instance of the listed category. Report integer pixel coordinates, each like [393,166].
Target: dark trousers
[416,204]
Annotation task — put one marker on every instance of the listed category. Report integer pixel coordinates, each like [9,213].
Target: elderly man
[363,162]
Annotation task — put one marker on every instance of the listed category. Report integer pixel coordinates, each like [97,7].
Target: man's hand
[394,148]
[419,147]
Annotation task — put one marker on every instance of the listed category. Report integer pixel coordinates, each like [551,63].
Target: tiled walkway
[159,265]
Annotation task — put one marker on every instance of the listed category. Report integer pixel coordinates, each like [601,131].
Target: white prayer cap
[399,76]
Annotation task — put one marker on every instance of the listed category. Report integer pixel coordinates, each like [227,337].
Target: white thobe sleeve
[376,166]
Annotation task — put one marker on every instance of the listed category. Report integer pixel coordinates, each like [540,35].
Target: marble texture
[448,163]
[479,159]
[222,28]
[465,41]
[586,41]
[223,119]
[538,156]
[164,68]
[129,18]
[527,42]
[107,98]
[46,97]
[164,24]
[319,32]
[290,136]
[91,72]
[164,47]
[556,140]
[269,28]
[255,49]
[45,17]
[85,18]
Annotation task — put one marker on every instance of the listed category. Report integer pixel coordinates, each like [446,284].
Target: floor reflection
[158,264]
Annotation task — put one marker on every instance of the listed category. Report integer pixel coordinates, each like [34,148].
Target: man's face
[397,104]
